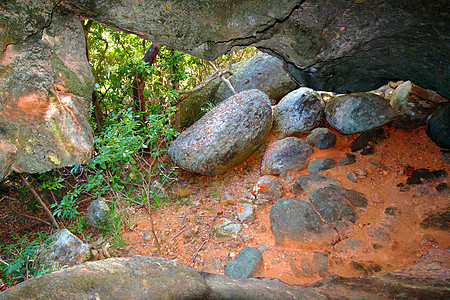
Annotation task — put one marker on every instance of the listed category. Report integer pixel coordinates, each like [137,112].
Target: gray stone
[225,228]
[351,176]
[159,278]
[320,165]
[45,89]
[338,205]
[262,72]
[287,154]
[65,250]
[380,233]
[359,112]
[298,113]
[268,188]
[320,262]
[413,105]
[248,263]
[322,138]
[225,136]
[308,183]
[97,214]
[245,212]
[438,127]
[348,160]
[294,221]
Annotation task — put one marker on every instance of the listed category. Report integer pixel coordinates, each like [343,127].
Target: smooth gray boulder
[287,154]
[225,136]
[248,263]
[298,113]
[358,112]
[65,250]
[46,86]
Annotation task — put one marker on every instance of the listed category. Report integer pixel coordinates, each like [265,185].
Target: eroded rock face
[45,89]
[158,278]
[335,45]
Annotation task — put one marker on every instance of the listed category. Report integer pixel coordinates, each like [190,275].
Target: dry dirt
[184,229]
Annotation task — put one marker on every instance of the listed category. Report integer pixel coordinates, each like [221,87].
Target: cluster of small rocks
[322,209]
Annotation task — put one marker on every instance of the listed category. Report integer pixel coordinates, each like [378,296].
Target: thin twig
[200,248]
[225,80]
[33,218]
[182,227]
[39,199]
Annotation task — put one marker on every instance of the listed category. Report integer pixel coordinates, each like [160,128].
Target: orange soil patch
[184,228]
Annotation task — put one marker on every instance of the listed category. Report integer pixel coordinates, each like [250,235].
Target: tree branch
[39,199]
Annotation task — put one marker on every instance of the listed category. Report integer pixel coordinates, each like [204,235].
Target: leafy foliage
[20,256]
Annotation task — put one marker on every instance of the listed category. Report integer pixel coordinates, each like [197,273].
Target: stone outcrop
[45,89]
[141,277]
[225,136]
[341,46]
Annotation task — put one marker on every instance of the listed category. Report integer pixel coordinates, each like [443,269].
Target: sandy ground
[184,229]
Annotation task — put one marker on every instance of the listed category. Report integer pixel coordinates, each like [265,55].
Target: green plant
[20,256]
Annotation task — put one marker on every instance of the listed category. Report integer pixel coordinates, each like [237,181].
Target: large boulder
[225,136]
[45,89]
[358,112]
[298,113]
[262,72]
[141,277]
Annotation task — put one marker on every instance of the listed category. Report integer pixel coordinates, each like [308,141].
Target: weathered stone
[152,277]
[294,221]
[320,262]
[65,250]
[439,220]
[225,136]
[337,204]
[268,188]
[298,113]
[245,212]
[348,160]
[322,138]
[97,213]
[359,112]
[45,89]
[308,183]
[248,263]
[438,127]
[213,265]
[225,228]
[320,165]
[413,105]
[375,135]
[356,51]
[262,72]
[287,154]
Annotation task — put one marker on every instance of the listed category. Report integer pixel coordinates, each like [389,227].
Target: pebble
[351,176]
